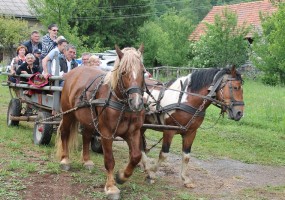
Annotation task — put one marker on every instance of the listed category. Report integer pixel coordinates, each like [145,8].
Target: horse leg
[144,160]
[86,137]
[167,139]
[110,189]
[134,157]
[63,142]
[187,141]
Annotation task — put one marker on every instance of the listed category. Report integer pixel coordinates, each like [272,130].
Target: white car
[107,65]
[107,60]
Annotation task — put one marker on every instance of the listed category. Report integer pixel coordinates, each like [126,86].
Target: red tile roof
[246,12]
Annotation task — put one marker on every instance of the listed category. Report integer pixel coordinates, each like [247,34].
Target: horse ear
[119,52]
[233,71]
[141,49]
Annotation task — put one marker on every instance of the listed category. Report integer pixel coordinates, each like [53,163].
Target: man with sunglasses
[49,40]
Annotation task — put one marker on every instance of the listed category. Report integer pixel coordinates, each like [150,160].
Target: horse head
[129,72]
[230,93]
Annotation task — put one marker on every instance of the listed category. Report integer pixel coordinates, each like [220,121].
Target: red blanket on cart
[38,80]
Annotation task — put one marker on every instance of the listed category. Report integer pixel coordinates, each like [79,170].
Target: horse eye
[236,88]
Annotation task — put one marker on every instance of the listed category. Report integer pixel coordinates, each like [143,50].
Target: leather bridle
[218,86]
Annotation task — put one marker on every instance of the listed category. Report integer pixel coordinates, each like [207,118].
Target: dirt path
[224,176]
[215,179]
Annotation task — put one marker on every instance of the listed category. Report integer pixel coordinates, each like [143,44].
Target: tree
[222,45]
[197,10]
[178,29]
[165,40]
[114,22]
[223,2]
[269,47]
[95,24]
[156,43]
[12,32]
[191,9]
[58,12]
[161,6]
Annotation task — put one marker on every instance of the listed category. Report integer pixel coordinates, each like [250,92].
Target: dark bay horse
[184,103]
[109,104]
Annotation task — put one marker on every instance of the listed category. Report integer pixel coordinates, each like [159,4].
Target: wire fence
[168,73]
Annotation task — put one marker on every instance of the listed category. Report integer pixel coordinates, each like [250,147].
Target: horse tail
[73,137]
[58,142]
[72,141]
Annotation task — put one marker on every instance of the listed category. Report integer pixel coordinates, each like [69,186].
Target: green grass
[266,193]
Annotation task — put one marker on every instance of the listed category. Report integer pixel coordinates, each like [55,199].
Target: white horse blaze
[137,99]
[135,75]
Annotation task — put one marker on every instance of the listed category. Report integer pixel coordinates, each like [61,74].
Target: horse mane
[205,77]
[129,63]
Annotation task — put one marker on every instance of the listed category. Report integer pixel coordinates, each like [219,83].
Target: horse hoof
[189,185]
[65,167]
[149,180]
[113,193]
[118,179]
[89,165]
[113,196]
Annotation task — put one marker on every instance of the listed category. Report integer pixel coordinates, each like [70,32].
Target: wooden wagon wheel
[96,145]
[42,132]
[14,109]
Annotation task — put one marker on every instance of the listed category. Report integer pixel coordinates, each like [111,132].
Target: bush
[270,79]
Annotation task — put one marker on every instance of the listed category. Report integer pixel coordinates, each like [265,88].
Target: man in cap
[37,53]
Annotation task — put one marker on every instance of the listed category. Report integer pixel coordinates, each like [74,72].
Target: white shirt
[68,65]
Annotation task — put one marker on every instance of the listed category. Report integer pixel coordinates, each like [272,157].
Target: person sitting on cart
[66,61]
[49,61]
[17,61]
[37,53]
[94,61]
[28,67]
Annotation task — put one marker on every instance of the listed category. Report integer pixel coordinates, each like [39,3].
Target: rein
[214,101]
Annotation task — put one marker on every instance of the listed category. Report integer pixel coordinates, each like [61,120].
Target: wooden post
[56,95]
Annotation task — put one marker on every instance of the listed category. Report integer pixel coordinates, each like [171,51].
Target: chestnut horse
[110,105]
[183,104]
